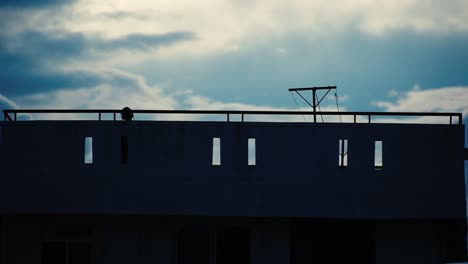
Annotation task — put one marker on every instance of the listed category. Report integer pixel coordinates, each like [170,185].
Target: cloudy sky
[399,55]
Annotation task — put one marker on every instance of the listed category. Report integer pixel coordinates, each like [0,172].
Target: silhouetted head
[126,114]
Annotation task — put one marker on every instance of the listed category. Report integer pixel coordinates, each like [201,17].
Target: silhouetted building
[219,192]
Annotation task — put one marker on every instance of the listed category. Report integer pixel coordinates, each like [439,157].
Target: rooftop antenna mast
[315,101]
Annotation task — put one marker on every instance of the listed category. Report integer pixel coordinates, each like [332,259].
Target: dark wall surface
[169,169]
[145,239]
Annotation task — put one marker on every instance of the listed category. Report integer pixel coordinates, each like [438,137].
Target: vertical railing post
[313,105]
[15,116]
[369,118]
[227,117]
[7,116]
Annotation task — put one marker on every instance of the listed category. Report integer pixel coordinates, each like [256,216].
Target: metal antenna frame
[315,101]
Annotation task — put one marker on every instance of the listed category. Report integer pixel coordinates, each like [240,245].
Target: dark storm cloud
[33,3]
[39,45]
[26,58]
[119,15]
[66,45]
[23,67]
[142,41]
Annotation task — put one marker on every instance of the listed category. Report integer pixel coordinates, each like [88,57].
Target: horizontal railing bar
[249,112]
[369,115]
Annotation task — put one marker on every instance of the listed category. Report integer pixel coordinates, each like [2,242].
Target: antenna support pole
[314,96]
[314,104]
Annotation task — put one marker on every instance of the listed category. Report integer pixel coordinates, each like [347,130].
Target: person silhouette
[126,114]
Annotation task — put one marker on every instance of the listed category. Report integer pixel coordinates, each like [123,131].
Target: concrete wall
[169,169]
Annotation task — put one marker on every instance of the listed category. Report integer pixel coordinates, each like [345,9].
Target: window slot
[124,150]
[216,158]
[378,154]
[343,153]
[88,150]
[251,152]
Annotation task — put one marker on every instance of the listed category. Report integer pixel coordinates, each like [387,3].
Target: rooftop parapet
[238,115]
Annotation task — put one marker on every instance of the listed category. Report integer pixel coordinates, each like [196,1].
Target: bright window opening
[378,157]
[216,158]
[88,150]
[251,152]
[343,153]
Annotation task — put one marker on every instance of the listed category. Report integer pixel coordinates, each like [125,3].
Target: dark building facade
[231,192]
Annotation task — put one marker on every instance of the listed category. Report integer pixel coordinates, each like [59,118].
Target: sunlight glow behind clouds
[220,25]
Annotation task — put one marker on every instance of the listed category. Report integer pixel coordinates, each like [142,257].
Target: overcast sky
[409,55]
[399,55]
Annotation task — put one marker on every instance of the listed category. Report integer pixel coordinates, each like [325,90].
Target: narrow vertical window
[343,153]
[251,152]
[124,150]
[88,150]
[216,159]
[378,155]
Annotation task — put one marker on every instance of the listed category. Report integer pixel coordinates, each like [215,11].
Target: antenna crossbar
[315,101]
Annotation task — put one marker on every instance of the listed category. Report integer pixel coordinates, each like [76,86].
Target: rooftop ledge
[12,115]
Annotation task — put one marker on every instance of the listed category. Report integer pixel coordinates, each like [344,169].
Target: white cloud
[281,51]
[8,102]
[416,15]
[236,18]
[118,89]
[443,99]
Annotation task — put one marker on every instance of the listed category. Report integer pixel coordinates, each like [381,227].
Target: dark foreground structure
[232,191]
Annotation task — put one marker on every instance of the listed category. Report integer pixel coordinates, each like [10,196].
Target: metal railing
[12,114]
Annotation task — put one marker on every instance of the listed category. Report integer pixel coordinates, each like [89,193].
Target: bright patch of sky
[213,54]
